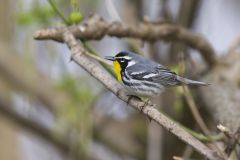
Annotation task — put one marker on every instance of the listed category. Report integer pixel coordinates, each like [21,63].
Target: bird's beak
[110,58]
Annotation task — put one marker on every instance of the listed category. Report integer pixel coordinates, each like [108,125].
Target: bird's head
[121,61]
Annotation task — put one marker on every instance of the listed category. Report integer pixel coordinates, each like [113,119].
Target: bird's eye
[122,60]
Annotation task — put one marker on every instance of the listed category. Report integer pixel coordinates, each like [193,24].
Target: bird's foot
[146,102]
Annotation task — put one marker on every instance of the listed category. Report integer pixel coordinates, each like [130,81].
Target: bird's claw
[146,102]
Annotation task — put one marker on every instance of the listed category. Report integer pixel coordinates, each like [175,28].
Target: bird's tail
[186,81]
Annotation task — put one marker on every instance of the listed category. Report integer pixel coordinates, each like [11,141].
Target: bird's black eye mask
[123,62]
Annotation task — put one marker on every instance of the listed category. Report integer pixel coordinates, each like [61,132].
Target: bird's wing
[165,76]
[153,72]
[162,75]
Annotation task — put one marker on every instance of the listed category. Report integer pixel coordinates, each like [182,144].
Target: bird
[145,77]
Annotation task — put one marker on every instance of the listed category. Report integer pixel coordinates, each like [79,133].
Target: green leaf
[76,17]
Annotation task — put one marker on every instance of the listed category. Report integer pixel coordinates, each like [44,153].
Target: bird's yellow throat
[117,69]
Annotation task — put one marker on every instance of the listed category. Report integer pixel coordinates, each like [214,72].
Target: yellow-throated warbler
[144,77]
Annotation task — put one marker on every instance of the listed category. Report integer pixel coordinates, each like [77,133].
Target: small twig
[99,59]
[181,158]
[194,110]
[58,12]
[96,28]
[78,55]
[234,138]
[225,131]
[198,118]
[202,137]
[95,56]
[177,158]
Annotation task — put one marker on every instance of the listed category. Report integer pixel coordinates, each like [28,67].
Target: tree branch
[96,28]
[78,54]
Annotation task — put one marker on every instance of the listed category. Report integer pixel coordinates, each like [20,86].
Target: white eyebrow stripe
[127,57]
[130,63]
[150,75]
[124,57]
